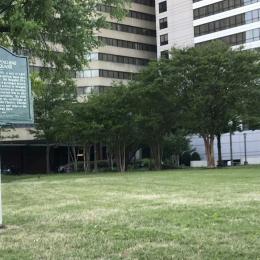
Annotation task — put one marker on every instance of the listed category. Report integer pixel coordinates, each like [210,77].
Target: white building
[174,25]
[183,23]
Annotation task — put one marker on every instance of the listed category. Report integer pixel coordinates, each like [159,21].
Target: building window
[163,7]
[165,54]
[131,13]
[122,59]
[227,23]
[88,90]
[220,7]
[128,44]
[91,56]
[164,39]
[89,73]
[116,74]
[145,2]
[163,23]
[239,38]
[132,29]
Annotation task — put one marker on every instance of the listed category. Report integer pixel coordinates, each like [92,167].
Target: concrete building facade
[174,25]
[128,46]
[184,23]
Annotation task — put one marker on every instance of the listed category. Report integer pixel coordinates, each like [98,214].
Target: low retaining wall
[198,164]
[251,160]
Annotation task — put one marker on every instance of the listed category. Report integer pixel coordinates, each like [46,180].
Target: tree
[174,145]
[77,127]
[114,112]
[51,99]
[87,130]
[215,84]
[155,107]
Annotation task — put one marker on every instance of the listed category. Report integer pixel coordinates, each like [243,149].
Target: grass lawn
[184,214]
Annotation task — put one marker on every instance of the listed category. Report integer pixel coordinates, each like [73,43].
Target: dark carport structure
[31,156]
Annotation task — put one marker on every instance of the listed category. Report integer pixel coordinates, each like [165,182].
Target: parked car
[9,170]
[65,168]
[70,167]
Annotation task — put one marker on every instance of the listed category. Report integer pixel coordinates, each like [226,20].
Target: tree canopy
[216,85]
[205,90]
[156,108]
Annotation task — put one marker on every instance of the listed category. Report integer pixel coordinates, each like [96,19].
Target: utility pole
[245,162]
[230,124]
[231,149]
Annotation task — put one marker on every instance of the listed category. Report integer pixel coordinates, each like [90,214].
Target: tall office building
[127,46]
[183,23]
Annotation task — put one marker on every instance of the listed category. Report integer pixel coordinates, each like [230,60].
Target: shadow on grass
[56,176]
[13,178]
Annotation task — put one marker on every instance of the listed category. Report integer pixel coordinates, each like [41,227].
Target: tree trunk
[157,155]
[121,157]
[111,161]
[68,158]
[86,153]
[176,160]
[108,158]
[95,158]
[48,158]
[84,159]
[75,159]
[220,163]
[209,149]
[123,169]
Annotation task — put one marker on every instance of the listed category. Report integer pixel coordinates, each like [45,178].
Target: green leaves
[215,83]
[58,34]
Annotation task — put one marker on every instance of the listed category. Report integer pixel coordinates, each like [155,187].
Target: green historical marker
[16,105]
[15,89]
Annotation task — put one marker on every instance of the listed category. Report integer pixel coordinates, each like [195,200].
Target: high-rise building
[127,46]
[184,23]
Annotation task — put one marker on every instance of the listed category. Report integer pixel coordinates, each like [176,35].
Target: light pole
[245,162]
[230,124]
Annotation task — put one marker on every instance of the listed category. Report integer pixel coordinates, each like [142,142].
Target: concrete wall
[252,143]
[180,24]
[106,65]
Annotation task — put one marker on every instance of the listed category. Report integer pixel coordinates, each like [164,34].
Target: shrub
[186,158]
[195,156]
